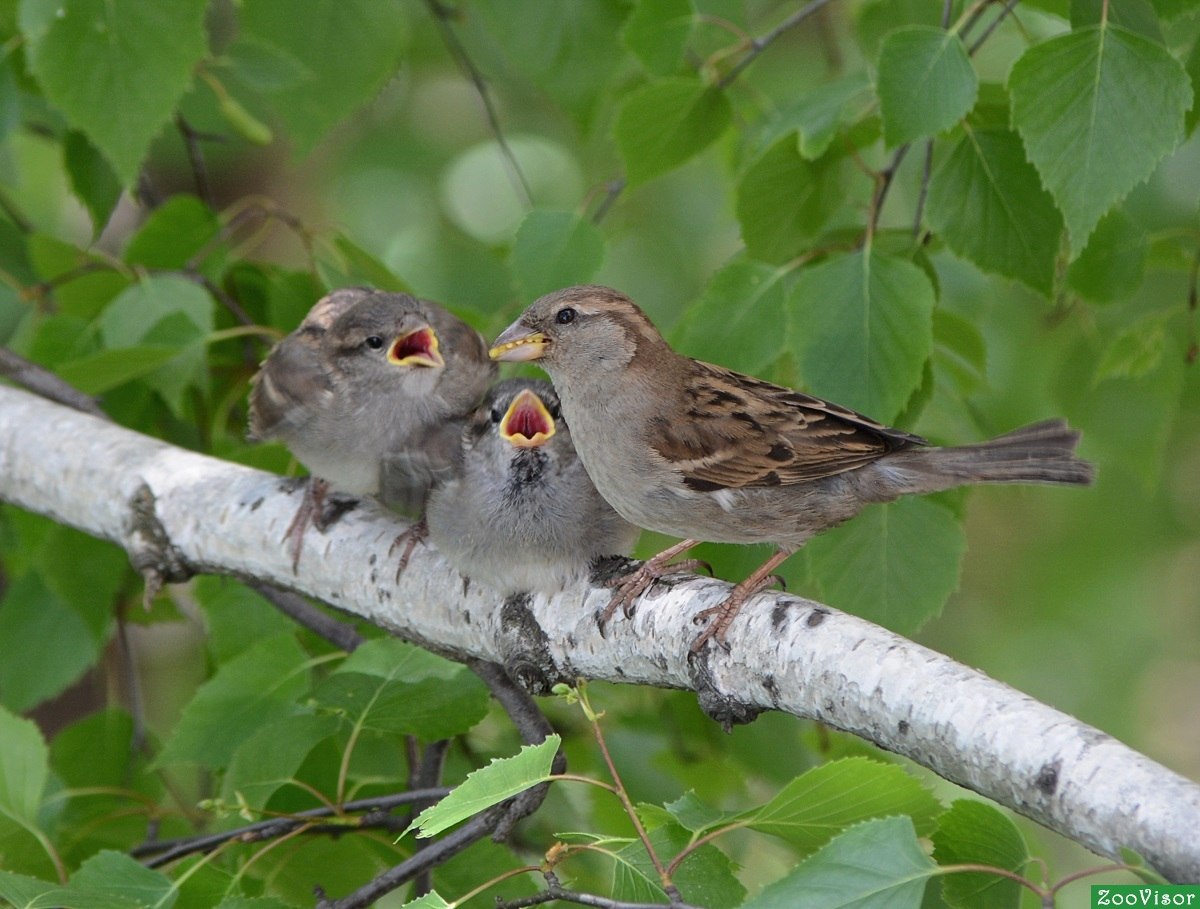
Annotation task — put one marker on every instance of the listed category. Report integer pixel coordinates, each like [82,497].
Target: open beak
[527,423]
[518,344]
[417,348]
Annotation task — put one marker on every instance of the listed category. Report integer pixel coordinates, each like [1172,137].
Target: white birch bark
[178,512]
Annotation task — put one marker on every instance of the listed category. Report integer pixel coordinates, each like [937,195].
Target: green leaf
[164,311]
[389,686]
[256,687]
[894,564]
[394,660]
[783,201]
[265,66]
[1093,385]
[988,205]
[1111,266]
[818,114]
[122,883]
[926,83]
[665,123]
[566,48]
[93,282]
[430,900]
[822,802]
[430,709]
[24,767]
[108,369]
[959,349]
[115,68]
[555,249]
[657,33]
[879,18]
[269,759]
[1098,109]
[24,891]
[92,179]
[352,47]
[974,833]
[876,865]
[735,322]
[236,617]
[173,234]
[1193,71]
[488,786]
[704,878]
[352,265]
[56,644]
[862,328]
[1136,15]
[694,815]
[1136,351]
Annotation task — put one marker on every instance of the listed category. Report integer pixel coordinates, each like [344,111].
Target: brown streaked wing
[290,381]
[739,432]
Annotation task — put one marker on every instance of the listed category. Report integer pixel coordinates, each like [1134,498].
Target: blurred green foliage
[954,228]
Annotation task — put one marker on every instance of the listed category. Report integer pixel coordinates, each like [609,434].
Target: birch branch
[177,512]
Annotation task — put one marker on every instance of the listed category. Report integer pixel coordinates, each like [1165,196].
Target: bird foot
[720,617]
[309,512]
[417,533]
[635,583]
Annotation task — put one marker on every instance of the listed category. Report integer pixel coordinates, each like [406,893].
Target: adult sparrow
[521,513]
[369,393]
[701,452]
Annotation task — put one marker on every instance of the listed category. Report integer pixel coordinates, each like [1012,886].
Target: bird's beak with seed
[527,423]
[517,344]
[417,348]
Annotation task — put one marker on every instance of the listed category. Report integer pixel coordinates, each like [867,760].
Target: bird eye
[374,342]
[565,316]
[553,410]
[496,415]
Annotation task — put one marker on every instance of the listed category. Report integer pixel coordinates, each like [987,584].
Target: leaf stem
[626,802]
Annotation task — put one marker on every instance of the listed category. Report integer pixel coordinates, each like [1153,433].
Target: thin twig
[340,634]
[42,382]
[1193,349]
[554,891]
[883,184]
[762,42]
[987,32]
[441,15]
[9,207]
[374,814]
[191,143]
[926,174]
[613,189]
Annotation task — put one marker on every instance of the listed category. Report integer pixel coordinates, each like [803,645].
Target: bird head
[587,329]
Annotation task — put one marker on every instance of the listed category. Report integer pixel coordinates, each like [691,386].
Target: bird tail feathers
[1039,453]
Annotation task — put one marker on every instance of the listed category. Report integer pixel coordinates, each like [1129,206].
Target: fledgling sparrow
[369,393]
[521,514]
[701,452]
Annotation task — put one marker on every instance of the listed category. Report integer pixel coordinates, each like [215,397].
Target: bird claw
[632,585]
[311,506]
[415,534]
[721,616]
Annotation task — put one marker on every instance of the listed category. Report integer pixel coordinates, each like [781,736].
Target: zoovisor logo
[1149,895]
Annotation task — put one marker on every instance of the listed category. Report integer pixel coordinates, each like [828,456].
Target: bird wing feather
[742,432]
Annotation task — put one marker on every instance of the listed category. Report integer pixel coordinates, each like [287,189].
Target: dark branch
[299,610]
[987,32]
[555,891]
[191,143]
[761,43]
[376,813]
[42,382]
